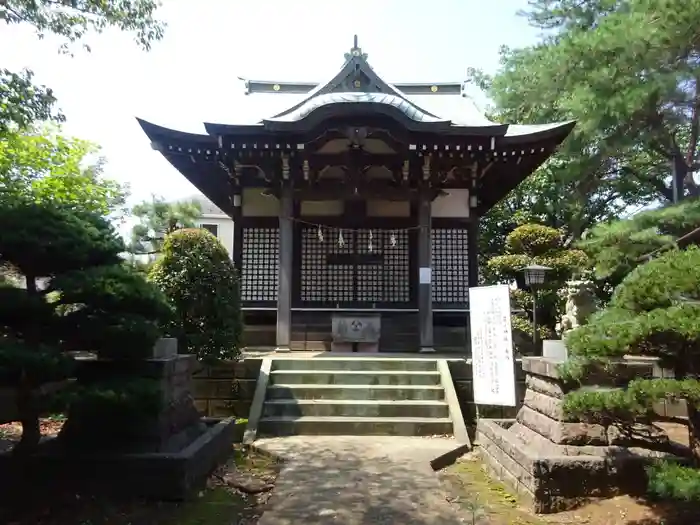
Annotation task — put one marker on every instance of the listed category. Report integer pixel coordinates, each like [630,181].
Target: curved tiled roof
[406,107]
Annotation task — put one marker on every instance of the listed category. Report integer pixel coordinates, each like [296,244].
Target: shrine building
[359,198]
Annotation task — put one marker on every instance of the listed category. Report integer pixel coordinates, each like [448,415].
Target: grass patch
[483,498]
[217,506]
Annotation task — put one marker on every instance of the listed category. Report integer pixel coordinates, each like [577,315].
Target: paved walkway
[358,481]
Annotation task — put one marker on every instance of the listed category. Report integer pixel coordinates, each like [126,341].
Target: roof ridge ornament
[355,51]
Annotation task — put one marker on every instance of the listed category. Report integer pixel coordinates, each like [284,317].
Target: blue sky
[192,75]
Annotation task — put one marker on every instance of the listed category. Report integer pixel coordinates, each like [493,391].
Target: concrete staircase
[353,396]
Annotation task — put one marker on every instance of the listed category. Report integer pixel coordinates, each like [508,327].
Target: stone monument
[580,305]
[356,331]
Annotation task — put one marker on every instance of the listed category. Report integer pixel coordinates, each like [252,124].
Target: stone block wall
[542,407]
[553,482]
[149,432]
[226,389]
[554,463]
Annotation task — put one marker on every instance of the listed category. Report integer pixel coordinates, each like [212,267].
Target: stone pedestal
[556,463]
[175,424]
[165,453]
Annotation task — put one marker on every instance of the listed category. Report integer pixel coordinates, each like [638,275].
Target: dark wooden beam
[285,271]
[473,249]
[425,296]
[336,191]
[237,255]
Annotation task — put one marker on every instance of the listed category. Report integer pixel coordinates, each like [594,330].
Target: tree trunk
[26,403]
[29,418]
[694,432]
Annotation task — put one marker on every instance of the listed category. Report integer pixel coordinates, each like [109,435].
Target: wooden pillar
[284,275]
[473,249]
[425,296]
[237,253]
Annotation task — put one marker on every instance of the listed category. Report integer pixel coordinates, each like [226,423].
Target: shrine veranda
[359,198]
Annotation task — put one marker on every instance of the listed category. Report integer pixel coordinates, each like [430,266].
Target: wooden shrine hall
[361,197]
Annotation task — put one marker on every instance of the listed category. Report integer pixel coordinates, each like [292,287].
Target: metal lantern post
[535,275]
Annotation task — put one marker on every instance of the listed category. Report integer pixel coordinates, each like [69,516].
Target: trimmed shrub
[654,311]
[197,275]
[668,480]
[533,240]
[78,297]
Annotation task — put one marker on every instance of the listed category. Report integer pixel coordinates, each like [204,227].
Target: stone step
[353,377]
[354,426]
[355,408]
[356,392]
[310,346]
[370,364]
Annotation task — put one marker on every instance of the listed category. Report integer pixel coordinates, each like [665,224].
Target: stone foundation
[165,454]
[555,463]
[176,424]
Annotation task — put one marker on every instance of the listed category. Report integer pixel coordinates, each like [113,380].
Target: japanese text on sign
[492,345]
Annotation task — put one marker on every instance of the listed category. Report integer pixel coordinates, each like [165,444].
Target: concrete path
[358,481]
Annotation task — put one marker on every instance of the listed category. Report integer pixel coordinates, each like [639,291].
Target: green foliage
[536,244]
[661,282]
[113,335]
[45,167]
[627,86]
[653,312]
[630,403]
[41,365]
[648,314]
[602,406]
[626,72]
[21,313]
[196,273]
[669,480]
[110,310]
[74,20]
[88,301]
[533,240]
[119,398]
[43,240]
[507,267]
[91,301]
[522,334]
[158,218]
[619,246]
[23,103]
[113,288]
[606,334]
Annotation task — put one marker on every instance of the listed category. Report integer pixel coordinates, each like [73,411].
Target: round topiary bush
[197,275]
[533,239]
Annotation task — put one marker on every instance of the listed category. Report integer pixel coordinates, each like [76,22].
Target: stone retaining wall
[555,463]
[226,389]
[557,482]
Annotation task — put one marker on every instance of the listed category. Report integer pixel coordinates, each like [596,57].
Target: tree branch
[694,122]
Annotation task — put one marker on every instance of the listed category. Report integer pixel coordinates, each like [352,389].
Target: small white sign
[554,349]
[424,276]
[493,365]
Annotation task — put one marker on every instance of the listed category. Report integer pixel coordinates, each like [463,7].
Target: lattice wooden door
[363,268]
